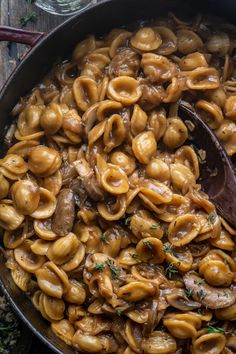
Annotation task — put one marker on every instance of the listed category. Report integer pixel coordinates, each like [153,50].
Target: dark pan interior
[98,20]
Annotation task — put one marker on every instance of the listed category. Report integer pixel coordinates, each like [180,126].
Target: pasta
[106,227]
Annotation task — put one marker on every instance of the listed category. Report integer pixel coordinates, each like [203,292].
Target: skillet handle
[17,35]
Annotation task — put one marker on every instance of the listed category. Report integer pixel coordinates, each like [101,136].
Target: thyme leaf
[211,218]
[155,226]
[212,329]
[118,312]
[103,238]
[170,270]
[99,267]
[115,271]
[199,282]
[135,257]
[148,244]
[168,248]
[201,294]
[189,292]
[31,17]
[127,220]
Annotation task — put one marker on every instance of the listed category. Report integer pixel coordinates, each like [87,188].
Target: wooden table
[10,13]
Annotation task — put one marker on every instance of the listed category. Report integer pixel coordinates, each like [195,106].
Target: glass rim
[69,13]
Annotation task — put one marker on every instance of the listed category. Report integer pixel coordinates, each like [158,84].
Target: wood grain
[10,14]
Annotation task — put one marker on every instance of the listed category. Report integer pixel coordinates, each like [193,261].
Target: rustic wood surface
[10,13]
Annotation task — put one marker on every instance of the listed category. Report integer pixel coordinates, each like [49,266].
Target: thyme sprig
[30,17]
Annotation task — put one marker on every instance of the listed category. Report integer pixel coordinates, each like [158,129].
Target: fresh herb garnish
[99,267]
[199,282]
[168,248]
[148,244]
[118,312]
[135,257]
[211,218]
[127,220]
[201,294]
[189,292]
[155,226]
[212,329]
[7,327]
[115,271]
[103,238]
[171,270]
[31,17]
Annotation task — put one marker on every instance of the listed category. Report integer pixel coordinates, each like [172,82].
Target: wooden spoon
[218,178]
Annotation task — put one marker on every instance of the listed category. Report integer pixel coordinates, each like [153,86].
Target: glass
[64,7]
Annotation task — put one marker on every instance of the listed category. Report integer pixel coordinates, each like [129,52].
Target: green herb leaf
[199,282]
[171,270]
[211,218]
[115,271]
[148,244]
[168,248]
[127,220]
[212,329]
[189,292]
[7,327]
[135,257]
[31,17]
[118,312]
[99,267]
[155,226]
[201,294]
[103,238]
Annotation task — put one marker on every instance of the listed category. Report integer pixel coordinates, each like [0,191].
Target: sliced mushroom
[180,301]
[88,179]
[68,172]
[64,215]
[209,296]
[154,317]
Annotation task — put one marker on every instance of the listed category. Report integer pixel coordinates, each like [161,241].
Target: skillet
[97,20]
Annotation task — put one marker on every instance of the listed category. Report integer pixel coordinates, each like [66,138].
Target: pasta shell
[183,230]
[51,118]
[144,146]
[61,250]
[10,218]
[28,260]
[21,278]
[85,92]
[64,330]
[47,205]
[159,342]
[114,180]
[52,280]
[209,342]
[146,39]
[76,293]
[26,196]
[150,249]
[43,229]
[124,89]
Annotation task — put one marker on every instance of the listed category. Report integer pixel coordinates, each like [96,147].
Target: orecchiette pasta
[104,222]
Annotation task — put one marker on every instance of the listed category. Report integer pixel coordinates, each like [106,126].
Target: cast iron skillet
[59,43]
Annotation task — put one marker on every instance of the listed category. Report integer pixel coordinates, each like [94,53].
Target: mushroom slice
[88,179]
[180,301]
[209,296]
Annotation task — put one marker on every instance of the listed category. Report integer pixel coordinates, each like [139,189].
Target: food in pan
[105,224]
